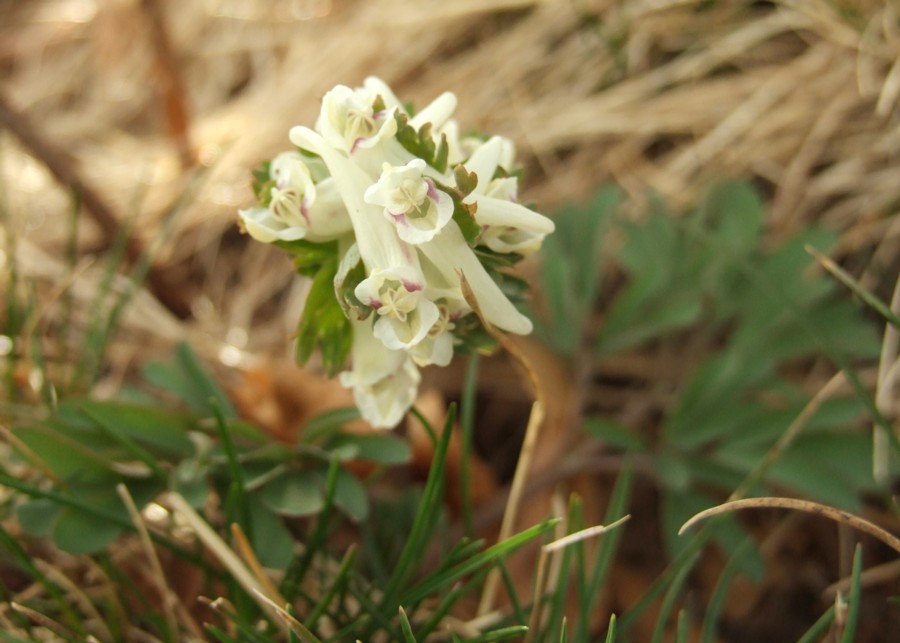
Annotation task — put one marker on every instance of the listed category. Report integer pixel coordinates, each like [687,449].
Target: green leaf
[464,216]
[350,496]
[272,541]
[421,142]
[350,273]
[639,316]
[203,386]
[154,427]
[614,434]
[309,257]
[294,493]
[672,471]
[570,267]
[324,324]
[383,448]
[38,516]
[739,213]
[327,423]
[76,532]
[191,480]
[466,181]
[831,468]
[64,455]
[188,381]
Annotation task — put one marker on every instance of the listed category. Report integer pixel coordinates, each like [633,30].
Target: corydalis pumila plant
[388,212]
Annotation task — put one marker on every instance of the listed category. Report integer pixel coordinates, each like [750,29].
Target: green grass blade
[467,428]
[316,543]
[611,631]
[818,629]
[857,288]
[205,387]
[405,627]
[447,602]
[683,627]
[341,578]
[720,593]
[518,609]
[134,449]
[502,634]
[236,505]
[855,595]
[672,596]
[618,506]
[420,534]
[679,566]
[500,550]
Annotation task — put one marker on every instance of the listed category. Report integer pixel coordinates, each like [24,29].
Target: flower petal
[450,254]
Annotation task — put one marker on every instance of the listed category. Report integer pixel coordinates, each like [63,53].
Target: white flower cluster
[400,194]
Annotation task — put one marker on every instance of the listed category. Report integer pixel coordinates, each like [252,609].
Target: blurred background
[158,111]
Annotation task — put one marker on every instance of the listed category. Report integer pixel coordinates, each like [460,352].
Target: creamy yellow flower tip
[381,182]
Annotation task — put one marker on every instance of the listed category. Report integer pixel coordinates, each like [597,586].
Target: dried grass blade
[837,515]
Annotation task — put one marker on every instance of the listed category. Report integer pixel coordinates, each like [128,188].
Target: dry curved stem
[837,515]
[526,455]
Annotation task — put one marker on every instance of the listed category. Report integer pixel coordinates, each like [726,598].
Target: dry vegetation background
[131,97]
[661,95]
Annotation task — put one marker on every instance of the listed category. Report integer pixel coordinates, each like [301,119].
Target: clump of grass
[167,484]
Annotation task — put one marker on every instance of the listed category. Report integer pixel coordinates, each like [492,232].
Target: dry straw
[663,96]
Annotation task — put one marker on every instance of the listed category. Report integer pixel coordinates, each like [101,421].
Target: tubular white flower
[298,208]
[395,283]
[405,315]
[348,120]
[379,245]
[451,256]
[437,112]
[437,347]
[411,201]
[384,381]
[508,226]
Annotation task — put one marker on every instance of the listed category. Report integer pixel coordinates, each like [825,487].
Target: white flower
[411,201]
[437,112]
[507,226]
[377,240]
[405,315]
[437,346]
[348,120]
[453,258]
[406,273]
[384,381]
[298,208]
